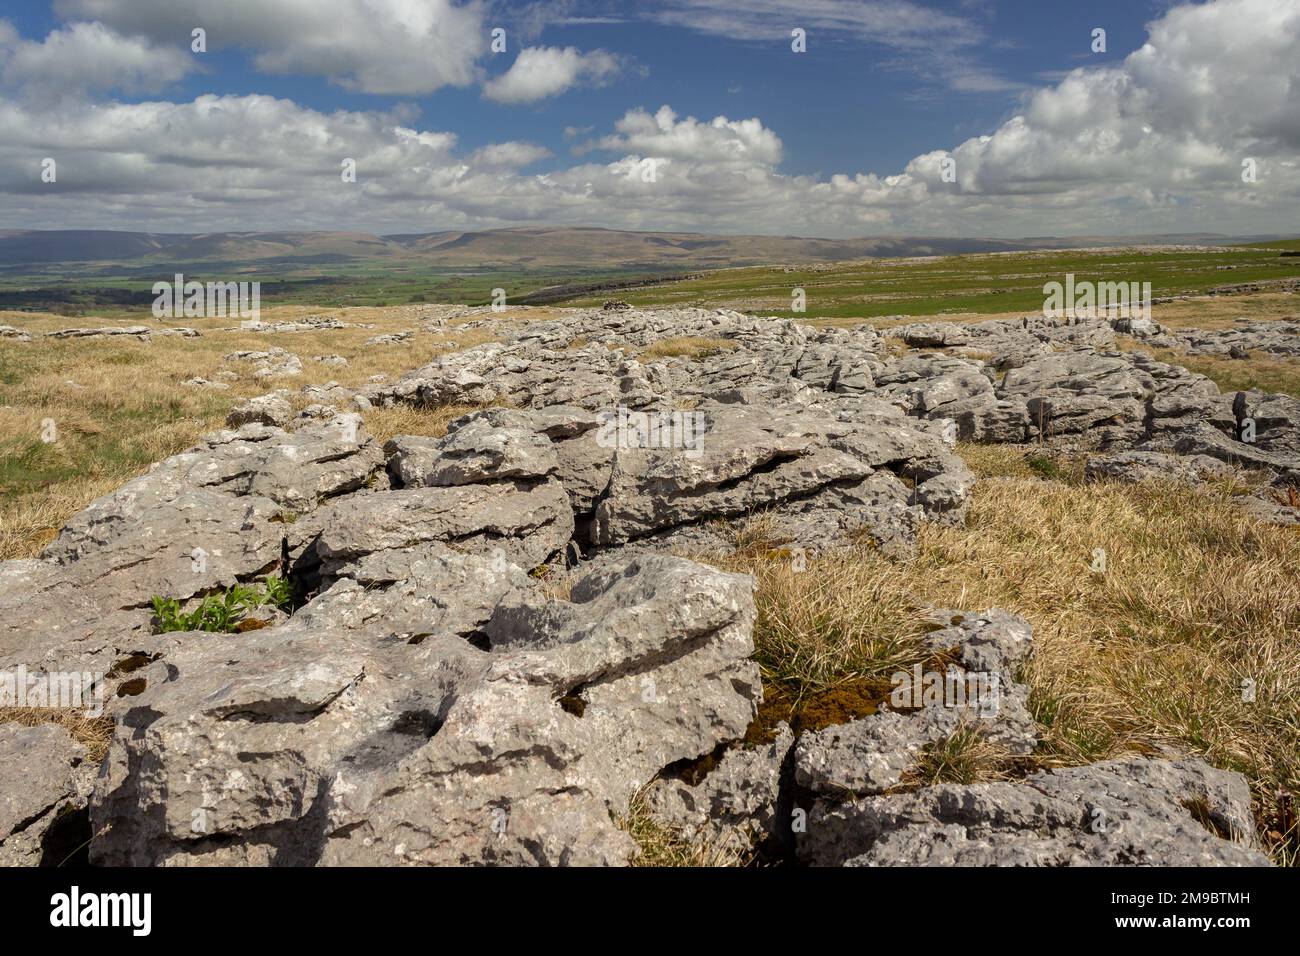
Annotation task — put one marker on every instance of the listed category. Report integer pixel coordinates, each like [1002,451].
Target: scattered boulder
[1138,327]
[312,323]
[272,363]
[393,338]
[272,409]
[199,382]
[1135,466]
[140,332]
[330,393]
[1280,339]
[929,335]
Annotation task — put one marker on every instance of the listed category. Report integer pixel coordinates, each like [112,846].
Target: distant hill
[520,248]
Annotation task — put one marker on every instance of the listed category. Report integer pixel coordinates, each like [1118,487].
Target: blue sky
[841,140]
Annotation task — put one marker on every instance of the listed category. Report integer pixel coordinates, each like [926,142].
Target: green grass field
[985,284]
[976,283]
[101,291]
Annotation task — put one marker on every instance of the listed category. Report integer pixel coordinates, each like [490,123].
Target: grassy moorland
[120,292]
[954,285]
[120,404]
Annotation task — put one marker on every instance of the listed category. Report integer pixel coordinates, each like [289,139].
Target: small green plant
[1043,466]
[279,592]
[167,612]
[223,612]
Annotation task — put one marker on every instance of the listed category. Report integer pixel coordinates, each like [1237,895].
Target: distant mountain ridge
[523,247]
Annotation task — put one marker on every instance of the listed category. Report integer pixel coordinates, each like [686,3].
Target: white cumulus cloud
[1151,144]
[398,47]
[543,71]
[721,141]
[84,57]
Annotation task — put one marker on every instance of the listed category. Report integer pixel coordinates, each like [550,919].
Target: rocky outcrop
[272,410]
[1059,381]
[271,363]
[736,805]
[1134,466]
[226,511]
[391,338]
[141,332]
[1010,343]
[530,522]
[312,323]
[321,743]
[133,331]
[1245,338]
[977,692]
[938,386]
[429,700]
[812,473]
[863,807]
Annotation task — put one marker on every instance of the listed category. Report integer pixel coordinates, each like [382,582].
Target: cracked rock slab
[308,743]
[529,523]
[751,458]
[1117,813]
[475,450]
[1136,466]
[735,805]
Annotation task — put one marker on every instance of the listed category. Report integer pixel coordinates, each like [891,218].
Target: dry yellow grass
[662,846]
[29,522]
[432,422]
[1264,372]
[94,733]
[1222,311]
[1197,597]
[118,405]
[965,756]
[831,623]
[686,347]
